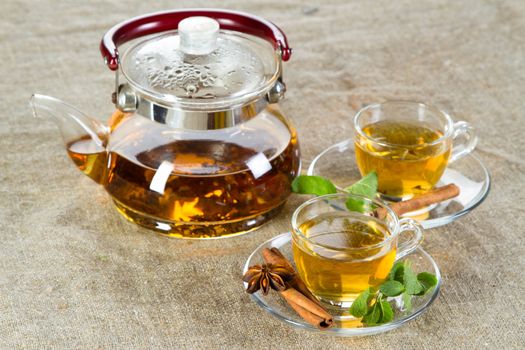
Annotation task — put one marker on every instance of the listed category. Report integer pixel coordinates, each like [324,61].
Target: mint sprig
[392,288]
[372,305]
[318,185]
[359,307]
[309,184]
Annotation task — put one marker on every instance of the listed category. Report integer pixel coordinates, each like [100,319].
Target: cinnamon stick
[311,312]
[297,294]
[309,317]
[436,195]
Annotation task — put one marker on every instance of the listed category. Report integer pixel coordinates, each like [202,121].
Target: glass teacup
[409,145]
[339,252]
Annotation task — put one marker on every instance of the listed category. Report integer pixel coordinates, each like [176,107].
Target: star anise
[267,276]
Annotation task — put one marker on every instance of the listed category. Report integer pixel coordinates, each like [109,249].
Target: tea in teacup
[339,252]
[354,261]
[408,144]
[404,156]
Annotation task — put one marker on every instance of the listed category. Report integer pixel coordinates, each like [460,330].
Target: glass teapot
[197,146]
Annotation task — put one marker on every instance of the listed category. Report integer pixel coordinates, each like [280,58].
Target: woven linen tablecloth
[74,274]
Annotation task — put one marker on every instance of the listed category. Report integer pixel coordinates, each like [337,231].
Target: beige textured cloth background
[74,274]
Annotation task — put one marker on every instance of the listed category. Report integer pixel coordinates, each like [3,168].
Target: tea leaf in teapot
[305,184]
[392,288]
[366,187]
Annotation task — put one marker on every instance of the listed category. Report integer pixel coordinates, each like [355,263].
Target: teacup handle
[460,150]
[410,245]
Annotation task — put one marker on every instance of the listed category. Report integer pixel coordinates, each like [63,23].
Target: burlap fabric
[75,275]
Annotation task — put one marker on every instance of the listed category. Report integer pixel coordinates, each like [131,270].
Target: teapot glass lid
[201,67]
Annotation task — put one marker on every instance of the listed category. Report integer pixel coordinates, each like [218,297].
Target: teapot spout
[85,138]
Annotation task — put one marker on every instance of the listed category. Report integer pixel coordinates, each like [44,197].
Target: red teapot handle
[169,20]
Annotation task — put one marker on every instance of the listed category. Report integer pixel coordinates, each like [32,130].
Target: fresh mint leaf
[407,301]
[402,281]
[317,185]
[366,187]
[359,307]
[427,281]
[387,314]
[373,315]
[392,288]
[412,285]
[397,272]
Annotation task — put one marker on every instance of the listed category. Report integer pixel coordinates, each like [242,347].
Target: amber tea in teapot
[228,195]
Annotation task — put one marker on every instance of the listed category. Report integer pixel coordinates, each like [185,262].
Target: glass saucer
[345,325]
[337,163]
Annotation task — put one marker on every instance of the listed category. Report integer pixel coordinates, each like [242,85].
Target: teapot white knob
[198,35]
